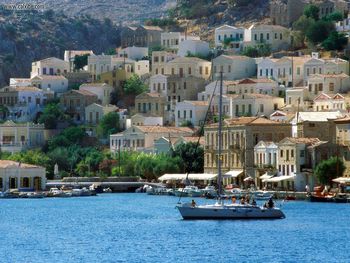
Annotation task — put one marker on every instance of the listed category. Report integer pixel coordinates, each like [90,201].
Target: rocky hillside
[32,35]
[126,11]
[202,16]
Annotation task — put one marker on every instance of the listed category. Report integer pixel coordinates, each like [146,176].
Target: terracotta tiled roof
[164,129]
[341,75]
[187,60]
[302,140]
[343,120]
[8,164]
[251,121]
[84,92]
[252,81]
[157,28]
[197,102]
[49,77]
[235,57]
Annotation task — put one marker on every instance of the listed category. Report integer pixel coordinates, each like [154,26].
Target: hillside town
[286,103]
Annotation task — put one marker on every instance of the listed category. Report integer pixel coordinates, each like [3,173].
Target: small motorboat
[107,190]
[262,195]
[209,190]
[321,198]
[190,191]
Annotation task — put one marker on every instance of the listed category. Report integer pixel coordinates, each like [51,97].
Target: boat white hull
[235,211]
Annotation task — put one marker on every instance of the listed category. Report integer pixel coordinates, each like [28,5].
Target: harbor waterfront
[145,228]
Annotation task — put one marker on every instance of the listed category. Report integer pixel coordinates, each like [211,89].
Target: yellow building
[240,135]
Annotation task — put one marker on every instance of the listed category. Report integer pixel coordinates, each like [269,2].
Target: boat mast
[220,138]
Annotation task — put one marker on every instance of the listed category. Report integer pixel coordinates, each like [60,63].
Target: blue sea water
[143,228]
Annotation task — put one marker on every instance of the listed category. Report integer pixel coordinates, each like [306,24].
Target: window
[298,70]
[229,69]
[307,71]
[185,85]
[302,153]
[189,71]
[281,36]
[191,114]
[255,37]
[292,153]
[276,36]
[275,106]
[156,59]
[268,36]
[261,108]
[206,70]
[184,114]
[331,86]
[281,153]
[200,70]
[260,72]
[156,106]
[178,114]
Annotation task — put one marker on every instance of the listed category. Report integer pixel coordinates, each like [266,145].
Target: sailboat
[222,210]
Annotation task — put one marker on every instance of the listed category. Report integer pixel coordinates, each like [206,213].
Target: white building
[16,137]
[134,53]
[343,26]
[49,66]
[23,103]
[193,47]
[324,102]
[172,40]
[234,67]
[69,56]
[21,176]
[20,82]
[266,154]
[101,90]
[277,37]
[234,34]
[95,112]
[142,119]
[253,105]
[141,138]
[280,70]
[190,111]
[328,83]
[57,84]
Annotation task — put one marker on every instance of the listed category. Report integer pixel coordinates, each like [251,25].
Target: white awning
[279,178]
[342,180]
[248,179]
[193,177]
[265,176]
[233,173]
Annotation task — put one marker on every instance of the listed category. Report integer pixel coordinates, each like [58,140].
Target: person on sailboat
[270,204]
[233,199]
[254,202]
[193,203]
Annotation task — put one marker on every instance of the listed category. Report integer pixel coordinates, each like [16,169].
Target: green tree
[335,41]
[52,115]
[109,124]
[319,31]
[192,157]
[70,136]
[134,85]
[80,61]
[312,11]
[335,17]
[303,24]
[260,50]
[329,169]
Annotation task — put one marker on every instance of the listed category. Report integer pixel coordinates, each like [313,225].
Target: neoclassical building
[21,176]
